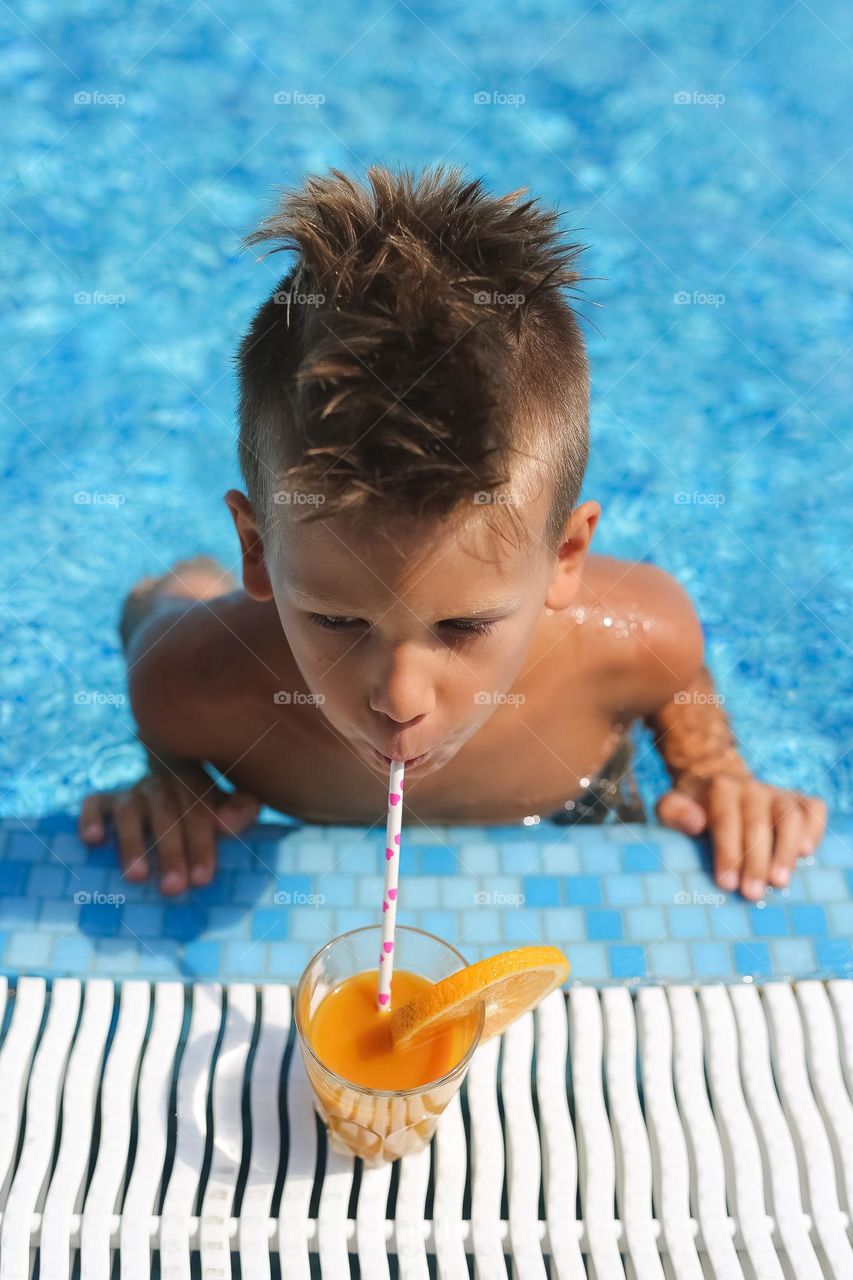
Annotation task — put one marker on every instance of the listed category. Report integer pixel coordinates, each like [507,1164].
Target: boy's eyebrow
[322,596]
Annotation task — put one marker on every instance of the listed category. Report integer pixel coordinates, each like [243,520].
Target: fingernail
[727,880]
[808,849]
[91,832]
[172,882]
[200,874]
[781,875]
[752,888]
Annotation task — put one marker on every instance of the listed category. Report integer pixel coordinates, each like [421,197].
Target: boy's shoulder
[202,674]
[643,628]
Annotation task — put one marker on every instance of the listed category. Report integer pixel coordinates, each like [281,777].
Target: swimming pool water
[702,154]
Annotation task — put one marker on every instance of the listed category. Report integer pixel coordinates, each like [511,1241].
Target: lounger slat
[155,1086]
[631,1142]
[218,1202]
[117,1095]
[450,1160]
[707,1166]
[192,1094]
[26,1194]
[82,1081]
[256,1209]
[780,1159]
[523,1157]
[409,1233]
[825,1072]
[293,1223]
[332,1224]
[372,1246]
[804,1120]
[559,1153]
[596,1158]
[16,1058]
[487,1162]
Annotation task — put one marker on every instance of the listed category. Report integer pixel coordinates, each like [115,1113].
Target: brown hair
[420,339]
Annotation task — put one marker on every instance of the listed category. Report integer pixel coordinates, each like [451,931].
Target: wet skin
[516,717]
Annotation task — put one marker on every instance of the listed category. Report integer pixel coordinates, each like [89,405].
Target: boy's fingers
[788,841]
[681,812]
[757,842]
[724,820]
[130,834]
[200,843]
[167,828]
[815,822]
[236,812]
[93,810]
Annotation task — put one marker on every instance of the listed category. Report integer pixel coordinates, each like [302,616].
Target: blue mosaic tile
[564,926]
[142,919]
[662,887]
[72,955]
[752,958]
[825,885]
[436,860]
[316,927]
[285,959]
[638,857]
[203,960]
[114,957]
[645,924]
[583,891]
[184,922]
[793,956]
[768,922]
[524,928]
[478,859]
[589,962]
[482,925]
[730,921]
[627,962]
[52,895]
[624,890]
[541,891]
[669,960]
[604,926]
[270,924]
[711,959]
[443,924]
[46,881]
[27,951]
[14,876]
[246,959]
[834,954]
[808,920]
[600,860]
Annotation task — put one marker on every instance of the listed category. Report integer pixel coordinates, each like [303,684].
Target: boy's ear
[570,555]
[255,577]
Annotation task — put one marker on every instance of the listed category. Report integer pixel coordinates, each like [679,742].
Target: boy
[416,579]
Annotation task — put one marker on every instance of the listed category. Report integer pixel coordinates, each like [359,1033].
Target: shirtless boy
[417,582]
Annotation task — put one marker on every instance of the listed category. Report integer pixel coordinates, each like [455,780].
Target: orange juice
[351,1036]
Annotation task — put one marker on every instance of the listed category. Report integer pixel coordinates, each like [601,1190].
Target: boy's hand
[183,811]
[757,831]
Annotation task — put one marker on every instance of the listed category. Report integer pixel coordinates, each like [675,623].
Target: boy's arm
[757,831]
[176,807]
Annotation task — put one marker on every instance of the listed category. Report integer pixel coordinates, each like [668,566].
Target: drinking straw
[392,875]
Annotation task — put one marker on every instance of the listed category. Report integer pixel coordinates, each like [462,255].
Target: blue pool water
[720,233]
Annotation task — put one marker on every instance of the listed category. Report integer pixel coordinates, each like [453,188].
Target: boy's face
[410,634]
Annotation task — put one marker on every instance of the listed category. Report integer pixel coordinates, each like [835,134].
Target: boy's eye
[462,626]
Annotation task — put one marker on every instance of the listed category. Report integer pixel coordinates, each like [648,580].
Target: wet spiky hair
[421,338]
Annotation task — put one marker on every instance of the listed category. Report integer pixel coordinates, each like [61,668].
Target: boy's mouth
[412,763]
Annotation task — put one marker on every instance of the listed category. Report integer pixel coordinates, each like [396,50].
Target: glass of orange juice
[379,1103]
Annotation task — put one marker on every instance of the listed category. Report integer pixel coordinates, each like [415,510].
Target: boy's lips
[412,762]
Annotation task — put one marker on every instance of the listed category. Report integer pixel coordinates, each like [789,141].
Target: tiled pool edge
[626,903]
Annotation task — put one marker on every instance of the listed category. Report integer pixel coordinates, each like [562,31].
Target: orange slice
[510,983]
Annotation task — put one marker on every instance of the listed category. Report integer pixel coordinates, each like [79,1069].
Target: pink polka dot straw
[392,875]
